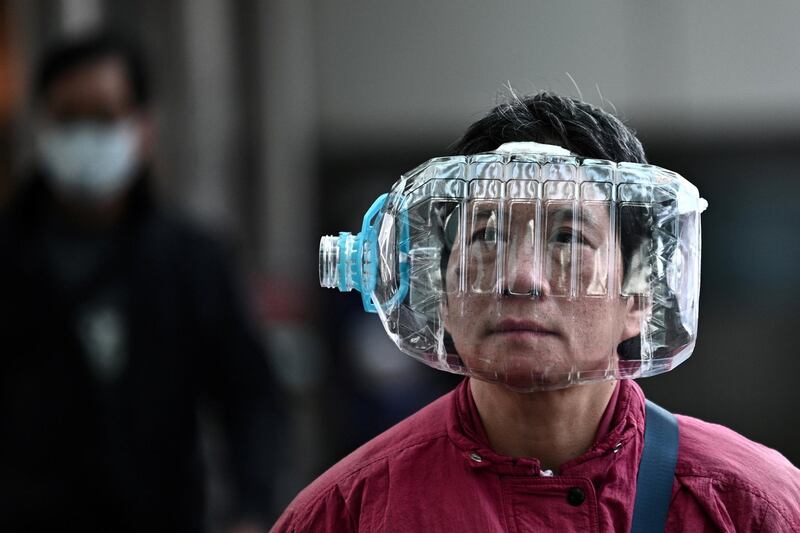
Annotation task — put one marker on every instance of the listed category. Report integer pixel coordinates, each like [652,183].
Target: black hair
[72,53]
[581,128]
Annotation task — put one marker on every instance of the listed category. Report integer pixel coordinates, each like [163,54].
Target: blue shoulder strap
[656,470]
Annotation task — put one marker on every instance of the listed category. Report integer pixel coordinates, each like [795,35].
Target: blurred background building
[282,120]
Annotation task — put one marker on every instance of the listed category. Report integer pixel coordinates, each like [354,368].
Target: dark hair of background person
[65,56]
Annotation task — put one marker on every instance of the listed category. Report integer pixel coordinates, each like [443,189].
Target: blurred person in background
[118,321]
[546,433]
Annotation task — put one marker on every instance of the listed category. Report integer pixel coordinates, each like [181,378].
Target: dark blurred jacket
[110,442]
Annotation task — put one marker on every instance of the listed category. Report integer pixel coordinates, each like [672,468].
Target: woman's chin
[522,371]
[535,370]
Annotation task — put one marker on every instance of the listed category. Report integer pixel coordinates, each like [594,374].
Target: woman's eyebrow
[563,214]
[484,214]
[583,216]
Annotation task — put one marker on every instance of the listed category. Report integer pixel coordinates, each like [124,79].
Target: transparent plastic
[535,271]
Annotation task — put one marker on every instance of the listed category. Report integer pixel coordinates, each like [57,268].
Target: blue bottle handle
[365,269]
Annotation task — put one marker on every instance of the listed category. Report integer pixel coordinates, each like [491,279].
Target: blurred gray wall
[420,67]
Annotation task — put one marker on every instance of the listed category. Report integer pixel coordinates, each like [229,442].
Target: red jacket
[435,472]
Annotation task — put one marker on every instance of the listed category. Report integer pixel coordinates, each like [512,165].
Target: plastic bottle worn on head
[534,270]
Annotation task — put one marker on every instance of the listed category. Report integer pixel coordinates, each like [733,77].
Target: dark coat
[112,444]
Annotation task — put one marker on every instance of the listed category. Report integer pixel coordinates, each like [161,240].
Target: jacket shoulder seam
[306,509]
[335,484]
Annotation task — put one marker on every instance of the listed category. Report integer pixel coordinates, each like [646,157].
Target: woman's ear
[636,308]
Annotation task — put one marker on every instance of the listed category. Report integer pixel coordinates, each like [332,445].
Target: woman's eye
[488,234]
[570,236]
[563,236]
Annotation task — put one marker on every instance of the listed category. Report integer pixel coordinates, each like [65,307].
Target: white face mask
[87,160]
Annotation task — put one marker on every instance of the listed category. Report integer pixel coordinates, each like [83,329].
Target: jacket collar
[622,428]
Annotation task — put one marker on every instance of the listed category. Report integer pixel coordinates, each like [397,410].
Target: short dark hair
[70,53]
[548,118]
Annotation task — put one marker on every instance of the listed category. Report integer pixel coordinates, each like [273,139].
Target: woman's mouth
[522,329]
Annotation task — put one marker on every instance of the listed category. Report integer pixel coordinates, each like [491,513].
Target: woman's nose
[523,273]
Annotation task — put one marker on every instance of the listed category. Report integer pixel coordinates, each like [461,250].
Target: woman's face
[532,297]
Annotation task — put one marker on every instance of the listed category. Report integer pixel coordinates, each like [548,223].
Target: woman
[548,278]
